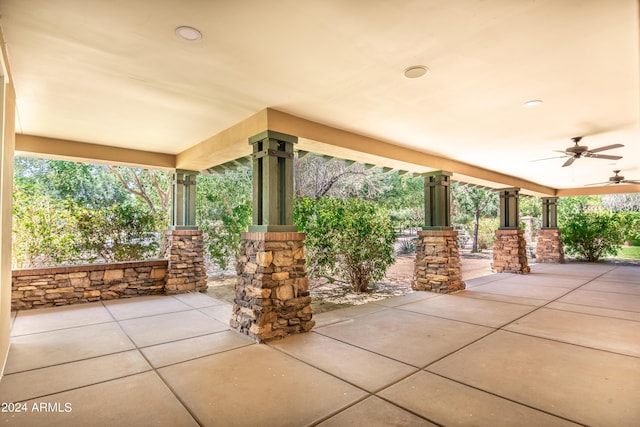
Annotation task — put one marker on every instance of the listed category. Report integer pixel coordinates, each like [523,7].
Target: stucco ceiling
[113,72]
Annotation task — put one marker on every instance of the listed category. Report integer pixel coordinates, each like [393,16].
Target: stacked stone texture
[184,251]
[48,287]
[272,293]
[510,252]
[549,248]
[437,267]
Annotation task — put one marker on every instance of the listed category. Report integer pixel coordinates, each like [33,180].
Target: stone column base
[272,293]
[185,270]
[437,266]
[510,252]
[549,248]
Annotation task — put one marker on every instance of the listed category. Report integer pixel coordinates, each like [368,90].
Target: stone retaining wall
[272,293]
[550,248]
[48,287]
[510,252]
[437,267]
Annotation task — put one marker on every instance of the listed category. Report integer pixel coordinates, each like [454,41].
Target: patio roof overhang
[232,143]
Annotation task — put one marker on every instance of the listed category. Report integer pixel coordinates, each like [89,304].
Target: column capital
[271,134]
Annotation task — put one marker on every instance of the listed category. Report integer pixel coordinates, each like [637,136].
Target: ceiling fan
[616,179]
[578,151]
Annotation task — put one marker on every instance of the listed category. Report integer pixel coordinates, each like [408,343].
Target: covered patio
[560,346]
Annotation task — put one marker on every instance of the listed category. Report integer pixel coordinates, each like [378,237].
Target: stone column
[510,247]
[272,293]
[437,265]
[183,241]
[550,248]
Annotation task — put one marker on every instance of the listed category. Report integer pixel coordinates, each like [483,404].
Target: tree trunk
[475,232]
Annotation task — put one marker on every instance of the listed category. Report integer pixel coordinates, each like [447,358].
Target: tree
[152,186]
[351,237]
[629,202]
[474,202]
[591,235]
[316,176]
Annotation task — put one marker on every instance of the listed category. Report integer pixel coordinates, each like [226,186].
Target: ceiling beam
[225,146]
[316,137]
[62,149]
[594,191]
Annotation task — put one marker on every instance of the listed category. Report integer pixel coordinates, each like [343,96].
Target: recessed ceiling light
[415,71]
[188,33]
[531,104]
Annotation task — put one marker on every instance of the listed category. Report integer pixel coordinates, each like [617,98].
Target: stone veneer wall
[549,247]
[48,287]
[272,293]
[510,252]
[437,266]
[184,251]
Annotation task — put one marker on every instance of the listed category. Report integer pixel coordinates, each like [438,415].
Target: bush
[630,222]
[44,231]
[122,232]
[351,237]
[592,235]
[224,210]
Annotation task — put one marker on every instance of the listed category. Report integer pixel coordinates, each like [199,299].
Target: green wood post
[183,200]
[509,206]
[272,181]
[437,200]
[549,212]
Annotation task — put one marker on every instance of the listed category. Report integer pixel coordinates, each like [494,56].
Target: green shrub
[352,238]
[44,231]
[487,232]
[630,223]
[223,211]
[592,235]
[122,232]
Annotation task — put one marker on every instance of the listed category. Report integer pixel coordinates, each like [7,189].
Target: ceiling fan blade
[561,151]
[630,181]
[606,147]
[602,156]
[548,158]
[599,183]
[569,162]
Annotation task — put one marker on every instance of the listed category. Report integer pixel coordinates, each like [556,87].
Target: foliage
[621,202]
[117,233]
[475,203]
[407,246]
[630,223]
[592,235]
[569,206]
[43,231]
[351,237]
[66,212]
[316,176]
[223,211]
[487,232]
[88,185]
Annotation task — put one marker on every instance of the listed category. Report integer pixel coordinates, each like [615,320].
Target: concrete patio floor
[560,346]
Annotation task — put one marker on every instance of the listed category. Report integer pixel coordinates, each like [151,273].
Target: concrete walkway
[556,347]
